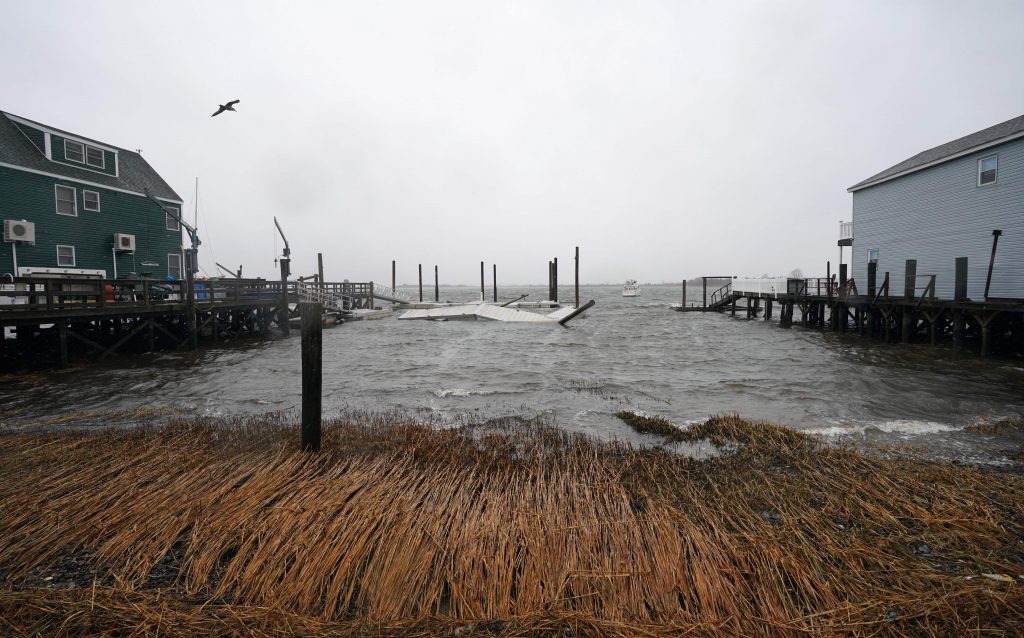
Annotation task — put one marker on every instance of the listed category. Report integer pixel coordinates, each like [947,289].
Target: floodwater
[626,354]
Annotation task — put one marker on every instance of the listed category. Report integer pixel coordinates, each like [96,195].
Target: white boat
[631,289]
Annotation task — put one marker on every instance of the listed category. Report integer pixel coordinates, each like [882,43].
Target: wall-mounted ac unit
[124,243]
[15,230]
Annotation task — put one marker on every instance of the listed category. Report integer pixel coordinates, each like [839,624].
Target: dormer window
[84,154]
[74,151]
[94,157]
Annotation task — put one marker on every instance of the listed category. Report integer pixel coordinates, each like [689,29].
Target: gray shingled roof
[949,149]
[134,173]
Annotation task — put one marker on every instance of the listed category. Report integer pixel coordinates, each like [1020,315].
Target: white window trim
[181,265]
[73,258]
[869,259]
[103,157]
[982,159]
[71,159]
[85,202]
[84,182]
[177,226]
[74,199]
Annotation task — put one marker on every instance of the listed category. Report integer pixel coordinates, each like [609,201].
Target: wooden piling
[421,282]
[312,374]
[684,294]
[320,270]
[872,277]
[960,280]
[437,289]
[483,291]
[282,316]
[555,281]
[767,307]
[576,279]
[959,323]
[62,342]
[494,282]
[394,287]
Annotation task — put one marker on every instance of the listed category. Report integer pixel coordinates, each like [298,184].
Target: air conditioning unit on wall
[15,230]
[124,243]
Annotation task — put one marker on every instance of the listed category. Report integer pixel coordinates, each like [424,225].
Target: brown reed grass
[513,529]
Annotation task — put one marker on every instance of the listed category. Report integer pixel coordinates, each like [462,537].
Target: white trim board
[82,181]
[973,149]
[59,133]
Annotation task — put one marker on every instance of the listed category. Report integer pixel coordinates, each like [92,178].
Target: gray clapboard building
[942,204]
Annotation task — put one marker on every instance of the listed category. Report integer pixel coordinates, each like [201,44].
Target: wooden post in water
[844,316]
[483,292]
[421,283]
[704,281]
[551,279]
[320,271]
[394,287]
[828,275]
[684,294]
[872,277]
[555,281]
[62,337]
[577,278]
[909,292]
[437,289]
[494,281]
[312,373]
[282,316]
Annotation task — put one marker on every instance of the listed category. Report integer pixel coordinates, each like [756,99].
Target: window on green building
[174,265]
[74,151]
[67,203]
[65,256]
[171,222]
[94,157]
[91,200]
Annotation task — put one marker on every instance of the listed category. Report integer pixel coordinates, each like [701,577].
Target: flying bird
[230,106]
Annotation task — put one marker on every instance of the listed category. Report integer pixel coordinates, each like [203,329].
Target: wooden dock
[49,322]
[990,326]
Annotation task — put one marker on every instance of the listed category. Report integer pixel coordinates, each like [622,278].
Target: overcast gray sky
[666,139]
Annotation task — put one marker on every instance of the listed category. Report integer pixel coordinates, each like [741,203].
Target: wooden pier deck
[51,321]
[991,326]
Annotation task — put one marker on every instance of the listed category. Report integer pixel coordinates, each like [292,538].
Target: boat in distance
[631,288]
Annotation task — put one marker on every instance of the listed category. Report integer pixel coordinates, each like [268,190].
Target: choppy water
[629,353]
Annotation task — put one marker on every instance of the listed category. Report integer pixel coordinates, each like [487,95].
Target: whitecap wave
[896,426]
[460,392]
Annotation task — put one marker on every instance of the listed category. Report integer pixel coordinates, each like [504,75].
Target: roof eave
[948,158]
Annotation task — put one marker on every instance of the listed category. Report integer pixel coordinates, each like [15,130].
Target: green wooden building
[72,206]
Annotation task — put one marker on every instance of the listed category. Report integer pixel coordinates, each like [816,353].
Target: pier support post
[437,288]
[320,271]
[394,287]
[555,281]
[767,308]
[734,306]
[62,342]
[959,321]
[494,282]
[421,282]
[312,374]
[960,280]
[483,291]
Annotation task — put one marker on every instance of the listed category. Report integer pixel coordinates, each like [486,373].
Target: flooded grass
[509,527]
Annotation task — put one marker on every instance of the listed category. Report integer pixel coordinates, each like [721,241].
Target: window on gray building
[988,168]
[67,203]
[65,256]
[872,255]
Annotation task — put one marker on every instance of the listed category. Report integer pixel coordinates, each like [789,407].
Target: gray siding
[940,213]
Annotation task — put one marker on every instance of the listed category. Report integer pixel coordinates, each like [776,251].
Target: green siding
[38,137]
[57,155]
[31,197]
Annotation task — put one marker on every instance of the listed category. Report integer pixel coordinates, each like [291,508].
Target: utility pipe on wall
[113,258]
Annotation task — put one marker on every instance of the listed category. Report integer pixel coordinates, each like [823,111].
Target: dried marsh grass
[516,529]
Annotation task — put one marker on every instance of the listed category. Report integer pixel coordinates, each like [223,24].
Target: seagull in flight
[230,106]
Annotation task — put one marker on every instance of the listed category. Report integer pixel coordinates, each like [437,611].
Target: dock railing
[766,287]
